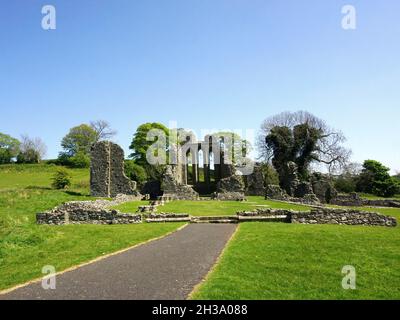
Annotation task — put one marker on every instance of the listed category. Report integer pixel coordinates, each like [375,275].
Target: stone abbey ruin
[200,168]
[203,168]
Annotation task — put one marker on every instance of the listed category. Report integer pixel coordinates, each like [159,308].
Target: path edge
[217,262]
[83,264]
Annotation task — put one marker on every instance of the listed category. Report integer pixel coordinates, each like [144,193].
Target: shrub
[135,172]
[80,160]
[61,179]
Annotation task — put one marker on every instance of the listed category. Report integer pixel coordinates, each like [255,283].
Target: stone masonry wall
[326,216]
[342,216]
[354,200]
[88,212]
[107,176]
[174,189]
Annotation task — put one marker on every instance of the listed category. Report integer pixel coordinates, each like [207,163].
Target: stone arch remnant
[107,175]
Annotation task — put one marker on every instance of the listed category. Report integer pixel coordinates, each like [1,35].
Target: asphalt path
[165,269]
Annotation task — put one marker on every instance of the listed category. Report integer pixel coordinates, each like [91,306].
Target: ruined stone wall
[354,200]
[231,188]
[342,216]
[174,189]
[85,212]
[255,182]
[107,176]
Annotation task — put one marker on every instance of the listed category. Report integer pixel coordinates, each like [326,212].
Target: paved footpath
[168,268]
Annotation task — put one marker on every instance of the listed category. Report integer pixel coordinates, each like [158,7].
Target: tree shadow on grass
[37,188]
[75,193]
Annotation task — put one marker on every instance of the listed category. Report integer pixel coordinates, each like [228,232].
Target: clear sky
[223,64]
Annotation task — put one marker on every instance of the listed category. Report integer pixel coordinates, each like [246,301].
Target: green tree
[303,136]
[79,139]
[298,145]
[375,179]
[9,148]
[140,144]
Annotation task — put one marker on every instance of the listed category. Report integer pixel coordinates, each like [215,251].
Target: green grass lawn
[26,247]
[214,208]
[290,261]
[38,176]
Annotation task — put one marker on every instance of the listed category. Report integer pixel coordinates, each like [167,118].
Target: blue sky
[203,63]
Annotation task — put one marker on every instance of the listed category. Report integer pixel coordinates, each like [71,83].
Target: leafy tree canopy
[375,179]
[140,143]
[302,138]
[9,148]
[79,139]
[298,145]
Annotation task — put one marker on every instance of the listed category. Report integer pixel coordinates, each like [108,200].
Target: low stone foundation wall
[342,216]
[86,212]
[265,213]
[354,200]
[382,203]
[88,217]
[320,216]
[168,217]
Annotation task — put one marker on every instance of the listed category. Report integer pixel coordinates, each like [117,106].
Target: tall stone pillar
[195,167]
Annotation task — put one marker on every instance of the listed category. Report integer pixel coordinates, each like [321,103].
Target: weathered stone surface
[325,216]
[289,179]
[354,200]
[275,192]
[89,212]
[342,216]
[255,182]
[174,189]
[230,188]
[323,187]
[382,203]
[303,189]
[267,212]
[233,183]
[107,176]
